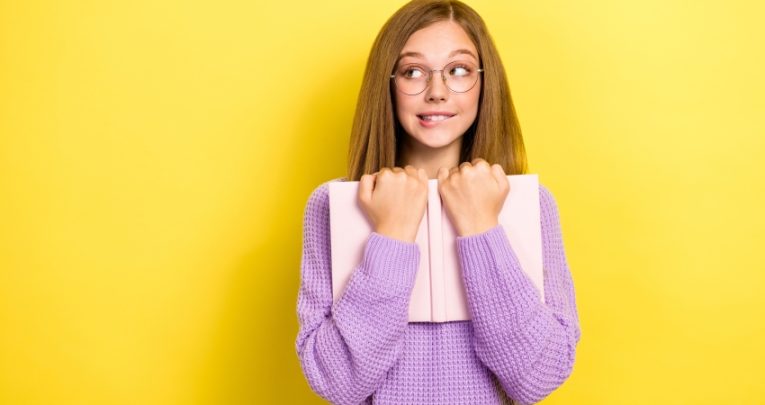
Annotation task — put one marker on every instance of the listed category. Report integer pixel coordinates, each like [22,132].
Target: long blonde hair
[376,135]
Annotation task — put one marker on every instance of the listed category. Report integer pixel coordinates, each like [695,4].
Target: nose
[437,89]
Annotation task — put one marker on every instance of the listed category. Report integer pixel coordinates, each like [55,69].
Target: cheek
[471,103]
[400,104]
[403,109]
[475,96]
[476,100]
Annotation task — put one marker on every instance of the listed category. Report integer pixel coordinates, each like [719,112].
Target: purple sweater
[362,349]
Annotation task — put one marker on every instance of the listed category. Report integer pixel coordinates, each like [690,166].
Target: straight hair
[376,134]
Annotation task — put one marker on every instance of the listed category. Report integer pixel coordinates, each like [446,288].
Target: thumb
[365,187]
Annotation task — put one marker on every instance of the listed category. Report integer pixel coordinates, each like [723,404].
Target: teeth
[434,117]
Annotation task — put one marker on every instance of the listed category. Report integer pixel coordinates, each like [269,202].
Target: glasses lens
[412,79]
[461,76]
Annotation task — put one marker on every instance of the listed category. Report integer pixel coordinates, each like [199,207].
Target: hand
[394,200]
[473,195]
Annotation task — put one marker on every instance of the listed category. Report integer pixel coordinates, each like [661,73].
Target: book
[438,294]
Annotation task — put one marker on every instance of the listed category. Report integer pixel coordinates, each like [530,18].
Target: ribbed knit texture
[363,350]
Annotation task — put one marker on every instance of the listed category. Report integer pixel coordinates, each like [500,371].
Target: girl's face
[437,117]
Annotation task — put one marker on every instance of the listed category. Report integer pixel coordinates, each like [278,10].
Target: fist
[394,200]
[473,195]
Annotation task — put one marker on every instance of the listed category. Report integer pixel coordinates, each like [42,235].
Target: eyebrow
[452,54]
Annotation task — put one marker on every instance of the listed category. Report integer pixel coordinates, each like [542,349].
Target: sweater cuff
[390,263]
[481,249]
[488,261]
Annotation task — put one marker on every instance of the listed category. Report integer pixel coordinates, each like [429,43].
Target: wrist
[395,233]
[476,228]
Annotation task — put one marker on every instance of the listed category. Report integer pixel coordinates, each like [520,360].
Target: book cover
[438,294]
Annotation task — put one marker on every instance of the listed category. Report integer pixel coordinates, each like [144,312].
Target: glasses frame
[430,76]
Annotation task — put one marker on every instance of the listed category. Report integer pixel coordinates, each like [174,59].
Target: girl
[435,103]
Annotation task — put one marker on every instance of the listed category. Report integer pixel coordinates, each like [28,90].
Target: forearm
[528,344]
[346,350]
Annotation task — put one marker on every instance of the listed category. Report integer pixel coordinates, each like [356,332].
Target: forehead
[438,41]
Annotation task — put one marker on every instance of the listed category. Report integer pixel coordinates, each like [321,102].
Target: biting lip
[428,113]
[433,119]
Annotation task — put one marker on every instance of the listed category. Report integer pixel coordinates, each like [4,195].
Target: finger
[365,187]
[476,161]
[413,172]
[385,174]
[422,175]
[499,174]
[442,174]
[496,167]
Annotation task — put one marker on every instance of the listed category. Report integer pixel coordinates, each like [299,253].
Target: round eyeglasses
[458,76]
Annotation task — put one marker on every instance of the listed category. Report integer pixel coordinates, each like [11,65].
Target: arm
[529,345]
[346,349]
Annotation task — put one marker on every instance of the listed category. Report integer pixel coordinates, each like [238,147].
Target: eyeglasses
[458,76]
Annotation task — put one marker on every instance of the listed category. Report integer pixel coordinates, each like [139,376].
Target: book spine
[435,249]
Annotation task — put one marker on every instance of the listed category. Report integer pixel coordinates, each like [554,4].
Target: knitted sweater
[362,349]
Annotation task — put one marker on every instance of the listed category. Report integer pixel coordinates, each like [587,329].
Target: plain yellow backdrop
[156,158]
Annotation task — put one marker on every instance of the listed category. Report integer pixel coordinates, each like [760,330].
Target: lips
[435,116]
[434,119]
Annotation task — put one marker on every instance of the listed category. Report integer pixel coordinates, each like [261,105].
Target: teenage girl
[435,104]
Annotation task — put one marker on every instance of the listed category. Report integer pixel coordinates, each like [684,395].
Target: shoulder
[318,200]
[316,222]
[547,203]
[546,197]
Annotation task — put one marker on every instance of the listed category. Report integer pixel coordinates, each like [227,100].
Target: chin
[436,142]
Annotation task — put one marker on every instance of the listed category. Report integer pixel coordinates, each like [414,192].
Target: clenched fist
[473,195]
[394,200]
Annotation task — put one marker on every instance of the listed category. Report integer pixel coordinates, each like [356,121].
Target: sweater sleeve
[346,348]
[528,344]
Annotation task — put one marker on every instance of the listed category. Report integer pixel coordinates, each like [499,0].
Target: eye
[460,70]
[412,72]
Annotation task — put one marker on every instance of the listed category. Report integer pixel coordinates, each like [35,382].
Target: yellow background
[156,157]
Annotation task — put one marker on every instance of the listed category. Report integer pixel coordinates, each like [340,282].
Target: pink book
[439,293]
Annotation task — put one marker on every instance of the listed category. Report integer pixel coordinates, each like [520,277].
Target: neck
[430,159]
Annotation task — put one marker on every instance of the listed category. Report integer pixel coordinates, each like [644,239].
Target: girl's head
[427,35]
